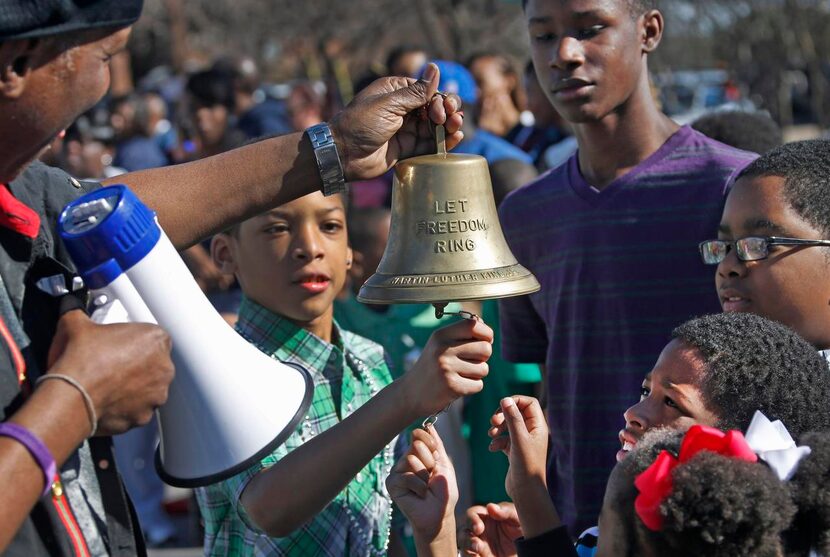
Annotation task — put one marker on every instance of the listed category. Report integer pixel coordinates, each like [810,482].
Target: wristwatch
[328,161]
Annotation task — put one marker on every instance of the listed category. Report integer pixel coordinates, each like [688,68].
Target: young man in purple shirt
[611,234]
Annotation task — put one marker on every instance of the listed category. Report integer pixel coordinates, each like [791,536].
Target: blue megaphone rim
[106,232]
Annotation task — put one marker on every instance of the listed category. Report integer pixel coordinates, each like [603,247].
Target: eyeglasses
[752,248]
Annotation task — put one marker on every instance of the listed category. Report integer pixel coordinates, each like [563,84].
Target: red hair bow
[655,484]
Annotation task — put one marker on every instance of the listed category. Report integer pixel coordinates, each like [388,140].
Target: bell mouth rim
[378,290]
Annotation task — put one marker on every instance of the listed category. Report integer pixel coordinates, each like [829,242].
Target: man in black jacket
[61,493]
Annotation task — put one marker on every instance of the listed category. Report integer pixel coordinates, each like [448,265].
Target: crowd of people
[665,392]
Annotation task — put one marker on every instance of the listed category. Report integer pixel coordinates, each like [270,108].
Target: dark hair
[721,506]
[805,168]
[307,96]
[750,131]
[637,7]
[212,87]
[139,125]
[507,69]
[399,52]
[718,506]
[505,65]
[233,230]
[752,363]
[810,486]
[243,70]
[649,447]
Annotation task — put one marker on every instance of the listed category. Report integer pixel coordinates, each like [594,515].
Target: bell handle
[440,140]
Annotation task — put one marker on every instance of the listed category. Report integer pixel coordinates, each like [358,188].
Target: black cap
[26,19]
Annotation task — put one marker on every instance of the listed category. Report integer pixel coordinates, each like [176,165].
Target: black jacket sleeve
[553,543]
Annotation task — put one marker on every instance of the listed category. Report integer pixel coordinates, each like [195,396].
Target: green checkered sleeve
[356,521]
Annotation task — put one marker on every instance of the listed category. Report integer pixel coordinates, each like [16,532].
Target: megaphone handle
[123,290]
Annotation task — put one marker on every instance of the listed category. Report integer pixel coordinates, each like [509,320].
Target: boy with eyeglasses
[771,252]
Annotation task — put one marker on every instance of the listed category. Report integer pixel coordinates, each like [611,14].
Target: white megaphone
[229,405]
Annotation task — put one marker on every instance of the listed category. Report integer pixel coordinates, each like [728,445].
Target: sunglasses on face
[752,248]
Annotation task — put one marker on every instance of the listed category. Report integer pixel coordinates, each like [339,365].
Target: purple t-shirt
[619,269]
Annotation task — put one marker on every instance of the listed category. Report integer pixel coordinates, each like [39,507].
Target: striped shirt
[619,269]
[356,522]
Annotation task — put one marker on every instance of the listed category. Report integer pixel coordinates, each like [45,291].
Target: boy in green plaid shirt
[322,493]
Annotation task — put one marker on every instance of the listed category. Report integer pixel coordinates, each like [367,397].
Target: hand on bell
[453,364]
[386,123]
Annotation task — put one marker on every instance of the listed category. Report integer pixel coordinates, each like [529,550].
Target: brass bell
[445,242]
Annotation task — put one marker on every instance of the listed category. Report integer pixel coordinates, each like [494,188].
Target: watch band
[328,161]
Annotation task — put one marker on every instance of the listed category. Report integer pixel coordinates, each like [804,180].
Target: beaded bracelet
[36,448]
[90,407]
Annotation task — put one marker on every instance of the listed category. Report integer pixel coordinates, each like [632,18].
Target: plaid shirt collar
[283,339]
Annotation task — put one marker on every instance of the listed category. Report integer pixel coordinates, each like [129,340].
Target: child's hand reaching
[453,364]
[422,484]
[526,445]
[490,531]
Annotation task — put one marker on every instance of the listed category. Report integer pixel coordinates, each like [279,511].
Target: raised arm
[390,120]
[525,445]
[526,449]
[453,364]
[423,485]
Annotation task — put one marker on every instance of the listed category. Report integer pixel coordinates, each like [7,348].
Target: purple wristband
[38,450]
